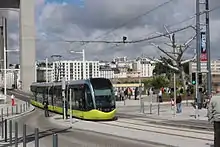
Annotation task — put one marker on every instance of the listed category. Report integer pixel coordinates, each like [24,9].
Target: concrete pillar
[27,43]
[1,47]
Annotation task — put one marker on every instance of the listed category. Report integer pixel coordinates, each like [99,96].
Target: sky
[58,20]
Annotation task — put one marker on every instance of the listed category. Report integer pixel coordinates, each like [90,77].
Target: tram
[92,99]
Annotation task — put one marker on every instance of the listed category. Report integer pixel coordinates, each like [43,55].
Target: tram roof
[43,84]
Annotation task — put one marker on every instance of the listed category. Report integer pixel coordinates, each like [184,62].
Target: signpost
[203,56]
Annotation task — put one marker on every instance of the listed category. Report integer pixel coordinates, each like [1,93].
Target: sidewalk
[165,112]
[20,108]
[7,111]
[146,100]
[141,131]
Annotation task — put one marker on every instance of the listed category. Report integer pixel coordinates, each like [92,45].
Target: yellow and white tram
[92,99]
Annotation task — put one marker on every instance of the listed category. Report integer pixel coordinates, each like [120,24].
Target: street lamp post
[84,62]
[46,70]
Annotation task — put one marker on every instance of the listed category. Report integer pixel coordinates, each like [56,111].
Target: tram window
[51,90]
[73,98]
[34,91]
[58,96]
[88,96]
[79,98]
[48,95]
[40,94]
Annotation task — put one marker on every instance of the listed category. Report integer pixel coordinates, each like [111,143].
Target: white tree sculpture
[176,55]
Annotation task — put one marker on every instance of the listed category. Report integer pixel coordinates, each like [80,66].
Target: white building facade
[215,67]
[144,66]
[73,70]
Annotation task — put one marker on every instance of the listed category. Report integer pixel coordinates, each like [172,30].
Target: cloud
[56,21]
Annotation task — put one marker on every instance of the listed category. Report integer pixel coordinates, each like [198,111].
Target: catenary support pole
[209,75]
[47,70]
[198,48]
[5,57]
[64,98]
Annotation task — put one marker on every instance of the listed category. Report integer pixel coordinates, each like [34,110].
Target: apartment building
[215,67]
[73,70]
[144,66]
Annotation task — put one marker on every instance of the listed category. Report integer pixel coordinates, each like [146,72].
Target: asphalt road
[69,137]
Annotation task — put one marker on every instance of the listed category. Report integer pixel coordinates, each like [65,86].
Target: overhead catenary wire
[136,41]
[135,18]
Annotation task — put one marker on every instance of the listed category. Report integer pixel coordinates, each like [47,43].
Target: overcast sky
[89,19]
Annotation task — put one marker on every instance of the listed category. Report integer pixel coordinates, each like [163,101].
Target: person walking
[179,103]
[214,118]
[46,112]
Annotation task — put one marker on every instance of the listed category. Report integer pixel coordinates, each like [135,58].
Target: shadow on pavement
[42,134]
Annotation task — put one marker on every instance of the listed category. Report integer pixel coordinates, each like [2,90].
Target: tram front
[104,94]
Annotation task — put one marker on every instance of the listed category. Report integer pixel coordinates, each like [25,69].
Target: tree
[163,69]
[157,82]
[176,55]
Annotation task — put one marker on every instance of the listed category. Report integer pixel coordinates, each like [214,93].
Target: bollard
[16,107]
[150,108]
[2,127]
[16,134]
[158,109]
[7,111]
[2,112]
[26,105]
[6,131]
[55,140]
[36,137]
[12,110]
[10,132]
[20,108]
[24,135]
[143,107]
[23,107]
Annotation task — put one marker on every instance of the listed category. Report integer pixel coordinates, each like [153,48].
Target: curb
[53,121]
[31,109]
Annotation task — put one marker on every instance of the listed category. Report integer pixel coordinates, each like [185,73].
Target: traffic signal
[199,78]
[193,78]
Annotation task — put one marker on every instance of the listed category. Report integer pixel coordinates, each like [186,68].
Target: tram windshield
[104,94]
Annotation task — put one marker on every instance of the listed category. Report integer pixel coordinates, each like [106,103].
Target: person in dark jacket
[179,103]
[46,112]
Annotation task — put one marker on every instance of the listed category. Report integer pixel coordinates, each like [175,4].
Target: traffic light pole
[198,49]
[197,93]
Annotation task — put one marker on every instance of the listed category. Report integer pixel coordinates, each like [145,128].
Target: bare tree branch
[170,66]
[188,60]
[170,34]
[157,46]
[188,42]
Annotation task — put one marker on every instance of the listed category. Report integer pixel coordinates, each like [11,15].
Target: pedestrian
[46,112]
[214,118]
[179,104]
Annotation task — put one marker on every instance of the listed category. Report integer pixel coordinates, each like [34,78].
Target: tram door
[75,98]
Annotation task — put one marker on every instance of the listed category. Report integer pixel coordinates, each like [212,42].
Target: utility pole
[4,21]
[47,70]
[209,75]
[174,74]
[198,49]
[64,97]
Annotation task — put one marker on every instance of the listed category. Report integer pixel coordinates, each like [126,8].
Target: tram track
[24,97]
[190,124]
[146,119]
[138,127]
